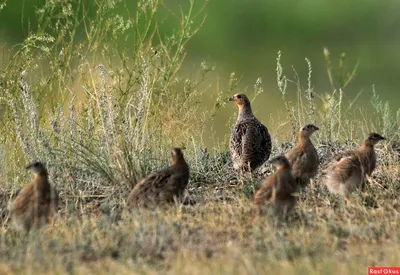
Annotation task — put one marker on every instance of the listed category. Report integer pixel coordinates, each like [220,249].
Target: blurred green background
[245,36]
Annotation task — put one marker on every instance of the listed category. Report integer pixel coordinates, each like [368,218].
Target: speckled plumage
[34,205]
[277,190]
[348,171]
[250,142]
[163,186]
[304,157]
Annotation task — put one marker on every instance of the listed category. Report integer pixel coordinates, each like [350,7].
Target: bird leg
[241,178]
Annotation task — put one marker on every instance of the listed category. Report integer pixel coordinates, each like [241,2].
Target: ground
[212,235]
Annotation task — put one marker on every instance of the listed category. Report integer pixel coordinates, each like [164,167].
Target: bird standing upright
[162,186]
[34,205]
[277,191]
[250,142]
[349,171]
[304,157]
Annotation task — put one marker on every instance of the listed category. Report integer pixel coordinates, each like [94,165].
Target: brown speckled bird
[304,157]
[163,186]
[34,205]
[277,191]
[250,142]
[349,171]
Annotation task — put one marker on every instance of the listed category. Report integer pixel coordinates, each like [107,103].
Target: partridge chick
[303,157]
[250,142]
[277,191]
[163,186]
[349,171]
[34,205]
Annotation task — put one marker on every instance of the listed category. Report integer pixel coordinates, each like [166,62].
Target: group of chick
[250,147]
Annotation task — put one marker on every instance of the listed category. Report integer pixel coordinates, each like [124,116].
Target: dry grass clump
[214,237]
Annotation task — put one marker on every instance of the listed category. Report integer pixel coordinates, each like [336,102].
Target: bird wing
[236,138]
[256,141]
[343,155]
[149,187]
[248,143]
[161,177]
[303,160]
[332,162]
[285,185]
[296,158]
[265,193]
[265,138]
[23,200]
[346,167]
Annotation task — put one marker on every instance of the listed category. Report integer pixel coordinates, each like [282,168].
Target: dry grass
[214,236]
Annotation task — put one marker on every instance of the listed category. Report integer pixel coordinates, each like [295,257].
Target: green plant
[102,113]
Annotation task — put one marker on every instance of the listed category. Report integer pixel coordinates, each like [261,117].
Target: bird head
[308,130]
[241,100]
[37,168]
[177,155]
[280,162]
[374,138]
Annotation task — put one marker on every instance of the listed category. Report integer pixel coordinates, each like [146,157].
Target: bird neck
[245,111]
[303,139]
[179,162]
[367,146]
[41,179]
[367,152]
[40,175]
[367,157]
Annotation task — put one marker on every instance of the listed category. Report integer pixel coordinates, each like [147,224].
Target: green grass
[102,114]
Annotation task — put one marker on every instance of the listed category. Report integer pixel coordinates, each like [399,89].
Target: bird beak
[28,167]
[231,99]
[383,138]
[316,128]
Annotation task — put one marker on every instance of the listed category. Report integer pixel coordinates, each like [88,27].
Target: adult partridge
[250,142]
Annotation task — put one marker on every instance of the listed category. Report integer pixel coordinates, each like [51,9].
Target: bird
[250,142]
[304,157]
[34,205]
[277,191]
[162,187]
[349,171]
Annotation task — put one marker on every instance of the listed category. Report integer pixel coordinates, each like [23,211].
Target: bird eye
[239,96]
